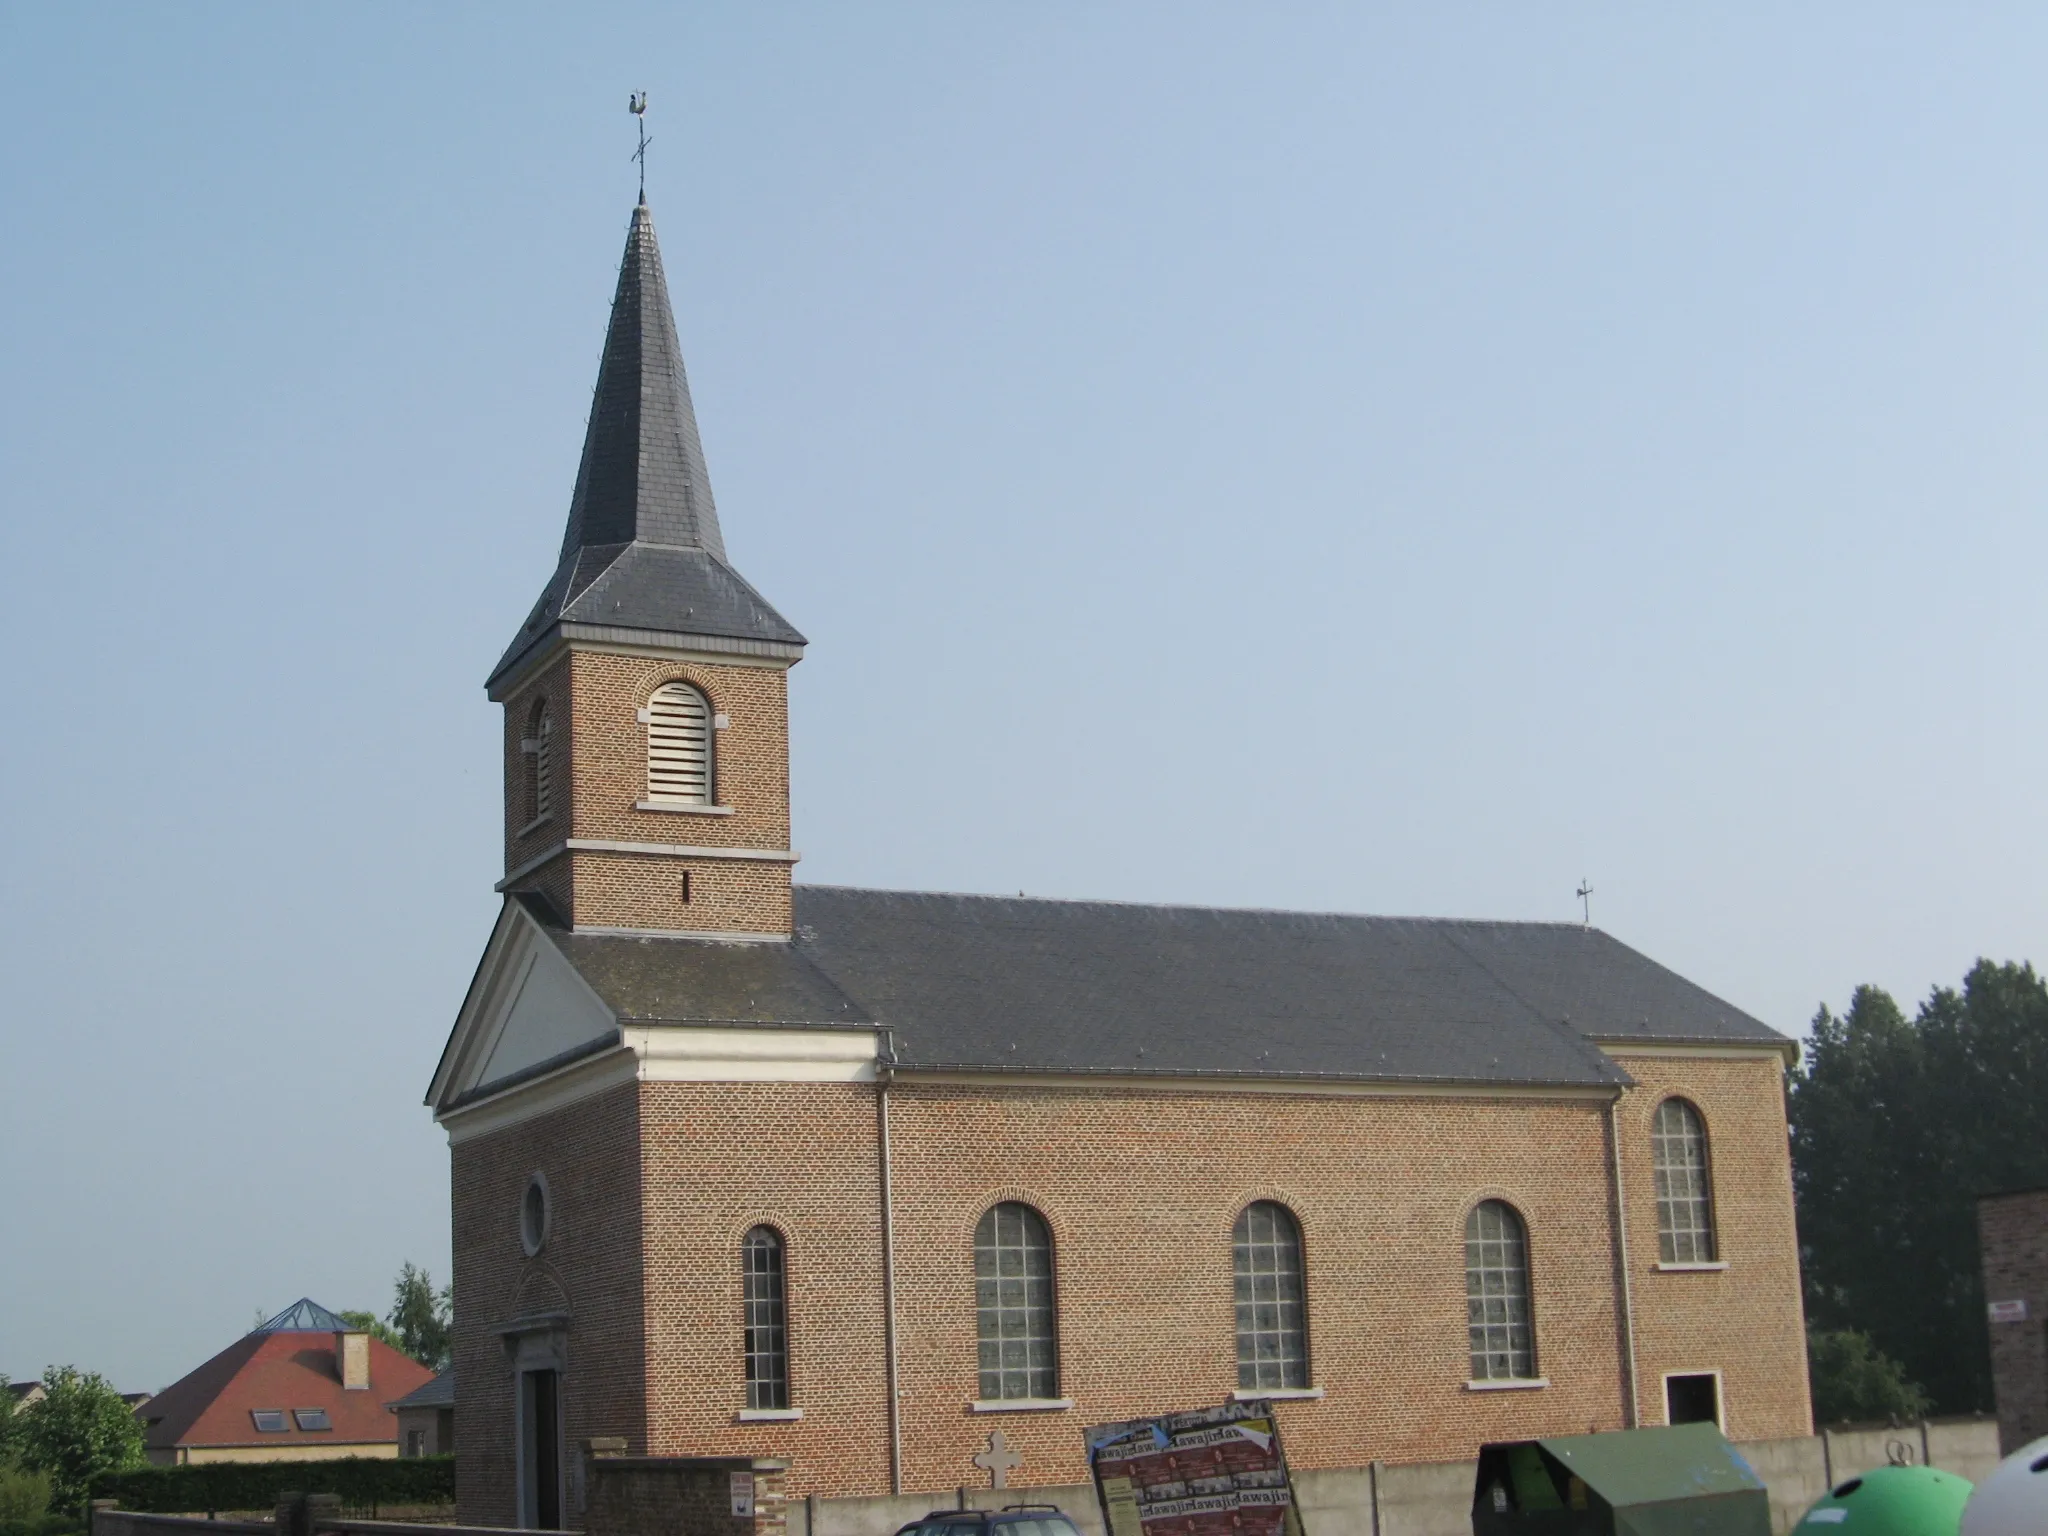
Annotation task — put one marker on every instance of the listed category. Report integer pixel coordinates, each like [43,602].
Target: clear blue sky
[1385,459]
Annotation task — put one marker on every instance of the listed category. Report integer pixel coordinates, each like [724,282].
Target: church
[855,1178]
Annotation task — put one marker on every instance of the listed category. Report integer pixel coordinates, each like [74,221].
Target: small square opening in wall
[1692,1399]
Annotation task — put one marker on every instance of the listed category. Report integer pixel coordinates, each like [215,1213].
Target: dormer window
[539,777]
[679,762]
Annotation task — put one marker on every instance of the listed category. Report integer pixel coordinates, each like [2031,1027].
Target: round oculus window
[533,1215]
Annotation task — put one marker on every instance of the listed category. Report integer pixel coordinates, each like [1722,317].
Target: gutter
[885,1070]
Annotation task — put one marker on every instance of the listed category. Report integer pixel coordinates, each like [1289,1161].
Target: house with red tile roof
[304,1386]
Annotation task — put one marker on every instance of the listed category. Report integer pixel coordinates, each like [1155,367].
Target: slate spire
[643,550]
[642,475]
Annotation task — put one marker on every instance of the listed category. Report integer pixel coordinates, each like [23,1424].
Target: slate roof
[642,549]
[438,1393]
[985,983]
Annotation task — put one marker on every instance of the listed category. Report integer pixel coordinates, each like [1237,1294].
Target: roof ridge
[1195,906]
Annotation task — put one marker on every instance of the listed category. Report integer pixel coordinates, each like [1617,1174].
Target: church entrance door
[540,1413]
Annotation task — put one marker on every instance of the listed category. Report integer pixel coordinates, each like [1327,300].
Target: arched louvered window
[1497,1294]
[767,1335]
[1013,1301]
[679,768]
[535,748]
[1685,1204]
[1272,1309]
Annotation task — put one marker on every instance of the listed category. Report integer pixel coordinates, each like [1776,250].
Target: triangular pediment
[526,1007]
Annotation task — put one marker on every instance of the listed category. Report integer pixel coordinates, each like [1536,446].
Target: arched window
[1013,1304]
[679,768]
[767,1337]
[1685,1204]
[1497,1294]
[1272,1313]
[540,725]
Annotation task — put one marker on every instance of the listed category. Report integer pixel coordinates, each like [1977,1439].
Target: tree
[78,1429]
[423,1317]
[1897,1127]
[1855,1382]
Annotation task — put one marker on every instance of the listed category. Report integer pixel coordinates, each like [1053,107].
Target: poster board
[1208,1472]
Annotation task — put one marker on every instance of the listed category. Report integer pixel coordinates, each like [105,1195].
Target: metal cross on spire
[636,103]
[1585,894]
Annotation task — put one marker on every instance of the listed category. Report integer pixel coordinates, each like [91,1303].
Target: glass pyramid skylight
[303,1316]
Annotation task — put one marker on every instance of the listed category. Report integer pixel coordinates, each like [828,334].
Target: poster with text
[1208,1472]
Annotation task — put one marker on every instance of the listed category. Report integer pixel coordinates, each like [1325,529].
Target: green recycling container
[1890,1501]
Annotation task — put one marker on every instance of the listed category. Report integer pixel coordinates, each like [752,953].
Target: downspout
[1622,1267]
[882,1073]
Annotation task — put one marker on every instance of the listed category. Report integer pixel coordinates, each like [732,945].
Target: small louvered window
[539,769]
[1685,1207]
[679,746]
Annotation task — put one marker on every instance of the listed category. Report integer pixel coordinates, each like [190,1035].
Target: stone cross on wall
[999,1461]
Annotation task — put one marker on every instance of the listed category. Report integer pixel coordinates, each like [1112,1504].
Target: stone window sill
[1693,1269]
[770,1415]
[1512,1384]
[1277,1394]
[1019,1404]
[534,825]
[674,808]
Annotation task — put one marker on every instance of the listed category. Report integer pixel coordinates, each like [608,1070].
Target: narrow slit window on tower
[679,766]
[539,770]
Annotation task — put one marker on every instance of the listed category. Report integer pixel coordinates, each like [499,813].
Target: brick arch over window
[536,749]
[1499,1321]
[681,769]
[1016,1321]
[764,1273]
[1272,1297]
[1685,1196]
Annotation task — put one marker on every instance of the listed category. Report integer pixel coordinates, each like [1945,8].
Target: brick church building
[856,1177]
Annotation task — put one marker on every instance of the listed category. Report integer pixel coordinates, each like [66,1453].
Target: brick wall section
[2012,1233]
[590,1152]
[599,757]
[1748,1320]
[1141,1191]
[721,1158]
[682,1496]
[624,890]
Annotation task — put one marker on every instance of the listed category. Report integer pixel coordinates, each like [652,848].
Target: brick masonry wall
[1747,1321]
[663,1496]
[2013,1238]
[751,755]
[599,757]
[1141,1189]
[590,1266]
[624,890]
[720,1159]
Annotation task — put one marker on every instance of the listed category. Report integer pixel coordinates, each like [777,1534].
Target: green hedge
[360,1482]
[48,1525]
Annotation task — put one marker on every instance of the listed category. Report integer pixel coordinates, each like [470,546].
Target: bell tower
[646,695]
